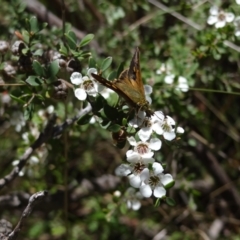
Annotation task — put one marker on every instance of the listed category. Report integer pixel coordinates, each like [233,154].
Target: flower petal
[169,78]
[76,78]
[80,94]
[147,89]
[135,180]
[212,20]
[230,17]
[159,192]
[157,168]
[146,191]
[90,71]
[144,134]
[169,135]
[132,141]
[166,179]
[155,144]
[123,170]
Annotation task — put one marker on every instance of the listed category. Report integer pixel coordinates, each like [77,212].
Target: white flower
[182,83]
[161,125]
[134,169]
[153,181]
[17,119]
[148,91]
[165,68]
[237,25]
[238,2]
[33,160]
[87,85]
[105,92]
[219,17]
[132,198]
[143,148]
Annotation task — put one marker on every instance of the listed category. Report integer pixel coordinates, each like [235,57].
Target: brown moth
[129,86]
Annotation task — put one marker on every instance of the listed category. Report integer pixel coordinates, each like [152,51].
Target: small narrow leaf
[34,81]
[17,99]
[87,39]
[120,69]
[106,63]
[170,202]
[34,25]
[39,70]
[114,128]
[53,68]
[71,42]
[112,75]
[84,120]
[91,63]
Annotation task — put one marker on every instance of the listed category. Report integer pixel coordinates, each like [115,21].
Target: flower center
[142,148]
[154,181]
[88,85]
[138,167]
[166,126]
[147,123]
[221,16]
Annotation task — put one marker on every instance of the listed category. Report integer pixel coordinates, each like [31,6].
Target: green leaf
[28,112]
[63,50]
[73,36]
[39,70]
[97,103]
[34,25]
[84,120]
[111,112]
[91,63]
[34,81]
[112,75]
[170,202]
[38,52]
[87,39]
[105,123]
[169,185]
[106,63]
[25,35]
[70,41]
[17,99]
[114,128]
[120,69]
[53,69]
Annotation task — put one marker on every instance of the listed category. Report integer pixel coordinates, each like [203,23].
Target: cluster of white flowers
[87,85]
[167,70]
[219,18]
[144,173]
[142,169]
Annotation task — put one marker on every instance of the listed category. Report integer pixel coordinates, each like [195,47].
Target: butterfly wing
[129,85]
[130,81]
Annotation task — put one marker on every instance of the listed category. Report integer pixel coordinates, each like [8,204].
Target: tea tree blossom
[154,181]
[237,26]
[143,148]
[182,83]
[86,84]
[159,124]
[132,197]
[219,18]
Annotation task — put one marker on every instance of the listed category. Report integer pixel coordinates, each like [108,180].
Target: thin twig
[31,203]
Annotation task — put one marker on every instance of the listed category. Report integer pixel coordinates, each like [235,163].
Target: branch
[49,132]
[43,137]
[31,203]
